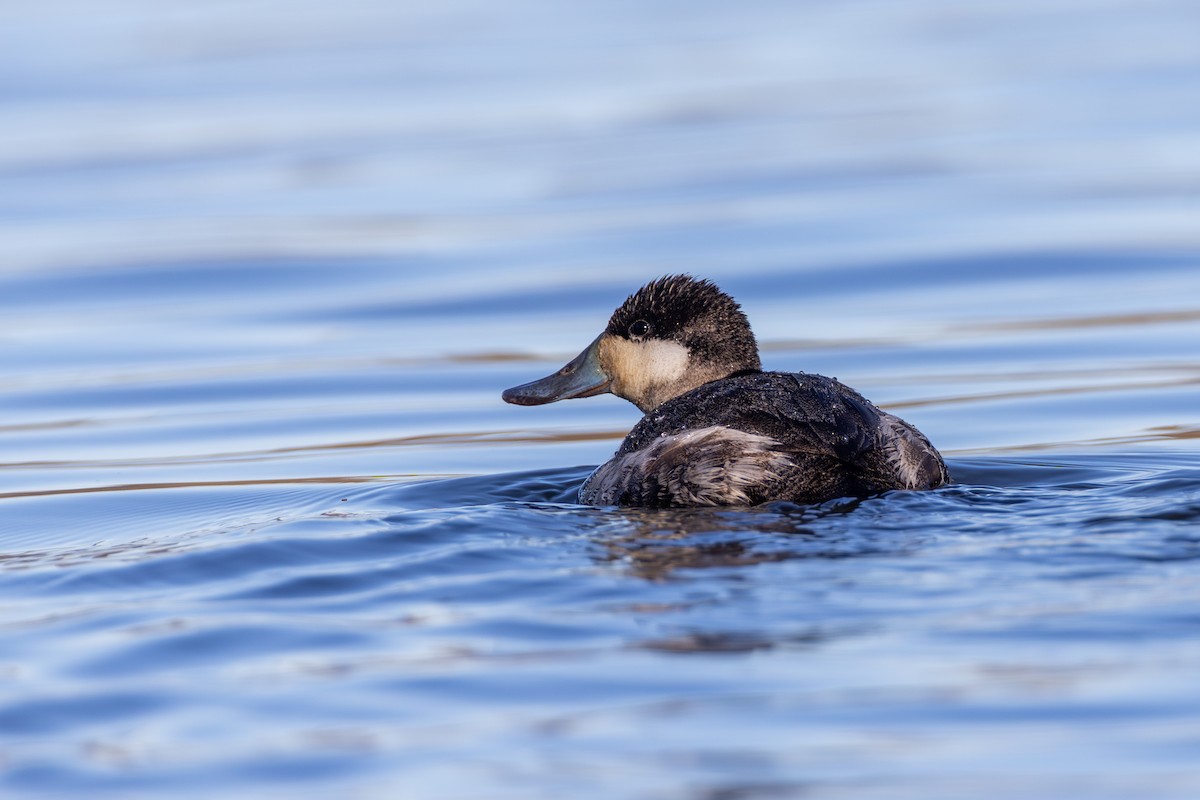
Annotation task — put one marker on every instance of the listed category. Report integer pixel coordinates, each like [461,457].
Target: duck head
[667,338]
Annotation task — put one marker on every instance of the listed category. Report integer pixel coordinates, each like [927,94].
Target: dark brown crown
[693,312]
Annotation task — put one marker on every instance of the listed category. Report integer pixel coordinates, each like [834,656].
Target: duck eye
[639,328]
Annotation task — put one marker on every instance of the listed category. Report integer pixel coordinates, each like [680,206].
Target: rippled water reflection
[482,632]
[268,531]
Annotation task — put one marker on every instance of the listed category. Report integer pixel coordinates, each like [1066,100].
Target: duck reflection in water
[718,430]
[662,541]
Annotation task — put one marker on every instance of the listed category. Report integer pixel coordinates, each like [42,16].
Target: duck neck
[692,378]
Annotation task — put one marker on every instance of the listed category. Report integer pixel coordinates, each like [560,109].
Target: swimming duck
[717,429]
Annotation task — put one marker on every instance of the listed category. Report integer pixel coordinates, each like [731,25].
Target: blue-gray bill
[581,377]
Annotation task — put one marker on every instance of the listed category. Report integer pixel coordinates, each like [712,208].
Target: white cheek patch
[638,367]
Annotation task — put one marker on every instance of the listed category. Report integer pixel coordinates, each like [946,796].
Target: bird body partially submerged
[719,431]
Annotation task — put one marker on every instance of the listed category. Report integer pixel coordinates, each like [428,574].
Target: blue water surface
[267,530]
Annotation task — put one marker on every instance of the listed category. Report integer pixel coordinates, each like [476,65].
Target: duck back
[762,436]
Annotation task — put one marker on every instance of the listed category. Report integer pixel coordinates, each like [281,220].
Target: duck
[717,429]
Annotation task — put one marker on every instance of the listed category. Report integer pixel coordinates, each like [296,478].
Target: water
[268,531]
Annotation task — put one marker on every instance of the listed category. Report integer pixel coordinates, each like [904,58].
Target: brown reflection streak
[491,358]
[1058,390]
[823,344]
[45,426]
[1159,433]
[137,487]
[1098,321]
[994,326]
[1192,370]
[274,368]
[481,437]
[498,437]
